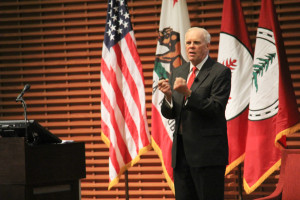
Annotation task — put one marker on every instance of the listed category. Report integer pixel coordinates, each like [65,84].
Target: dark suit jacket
[202,117]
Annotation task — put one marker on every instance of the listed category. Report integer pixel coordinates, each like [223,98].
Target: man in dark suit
[200,146]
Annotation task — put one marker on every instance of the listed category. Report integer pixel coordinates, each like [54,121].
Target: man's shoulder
[186,64]
[182,67]
[219,67]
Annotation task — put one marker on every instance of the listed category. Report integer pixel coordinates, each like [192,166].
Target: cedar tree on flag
[170,53]
[123,112]
[235,52]
[273,111]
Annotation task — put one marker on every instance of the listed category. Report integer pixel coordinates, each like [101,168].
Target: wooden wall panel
[55,46]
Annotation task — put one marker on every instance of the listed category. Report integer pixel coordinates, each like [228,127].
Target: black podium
[40,172]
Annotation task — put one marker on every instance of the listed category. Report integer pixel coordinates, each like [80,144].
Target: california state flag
[273,111]
[235,52]
[170,53]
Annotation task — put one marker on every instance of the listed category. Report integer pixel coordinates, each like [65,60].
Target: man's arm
[167,104]
[165,87]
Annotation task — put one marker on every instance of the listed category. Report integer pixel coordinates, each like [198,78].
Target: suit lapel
[185,72]
[203,73]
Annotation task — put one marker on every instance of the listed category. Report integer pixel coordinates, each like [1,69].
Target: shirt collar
[199,66]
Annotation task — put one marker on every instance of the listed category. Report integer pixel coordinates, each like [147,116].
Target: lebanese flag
[170,53]
[235,52]
[273,111]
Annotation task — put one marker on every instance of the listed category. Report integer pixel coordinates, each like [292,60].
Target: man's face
[195,46]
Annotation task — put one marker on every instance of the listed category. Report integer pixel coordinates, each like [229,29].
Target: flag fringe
[128,165]
[105,139]
[286,132]
[234,164]
[159,153]
[249,189]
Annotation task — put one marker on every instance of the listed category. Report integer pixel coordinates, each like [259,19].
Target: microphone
[26,87]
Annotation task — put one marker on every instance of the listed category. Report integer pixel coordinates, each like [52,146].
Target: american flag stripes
[123,112]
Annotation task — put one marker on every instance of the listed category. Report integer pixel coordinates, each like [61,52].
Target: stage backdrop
[55,46]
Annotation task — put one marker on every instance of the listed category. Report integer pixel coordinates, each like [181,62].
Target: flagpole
[126,185]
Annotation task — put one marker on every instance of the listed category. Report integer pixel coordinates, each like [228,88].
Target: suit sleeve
[166,110]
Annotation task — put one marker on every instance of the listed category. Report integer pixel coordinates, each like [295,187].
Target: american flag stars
[118,22]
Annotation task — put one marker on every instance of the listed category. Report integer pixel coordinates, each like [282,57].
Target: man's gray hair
[207,36]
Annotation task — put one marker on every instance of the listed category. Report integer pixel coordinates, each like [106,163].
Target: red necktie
[192,77]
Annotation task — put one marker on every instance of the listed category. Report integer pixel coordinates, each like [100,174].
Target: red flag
[235,52]
[273,111]
[123,111]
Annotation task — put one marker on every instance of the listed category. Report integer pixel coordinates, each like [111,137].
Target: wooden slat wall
[55,45]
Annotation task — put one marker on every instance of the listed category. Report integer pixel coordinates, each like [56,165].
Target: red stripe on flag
[104,127]
[121,145]
[133,50]
[105,70]
[133,87]
[114,159]
[106,102]
[120,98]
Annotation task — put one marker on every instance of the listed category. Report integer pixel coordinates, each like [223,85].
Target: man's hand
[180,86]
[165,87]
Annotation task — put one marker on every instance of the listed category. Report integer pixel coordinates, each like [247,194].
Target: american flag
[123,112]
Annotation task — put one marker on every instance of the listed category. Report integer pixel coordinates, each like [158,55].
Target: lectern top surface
[36,133]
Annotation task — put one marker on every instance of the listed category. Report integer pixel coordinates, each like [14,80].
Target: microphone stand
[25,116]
